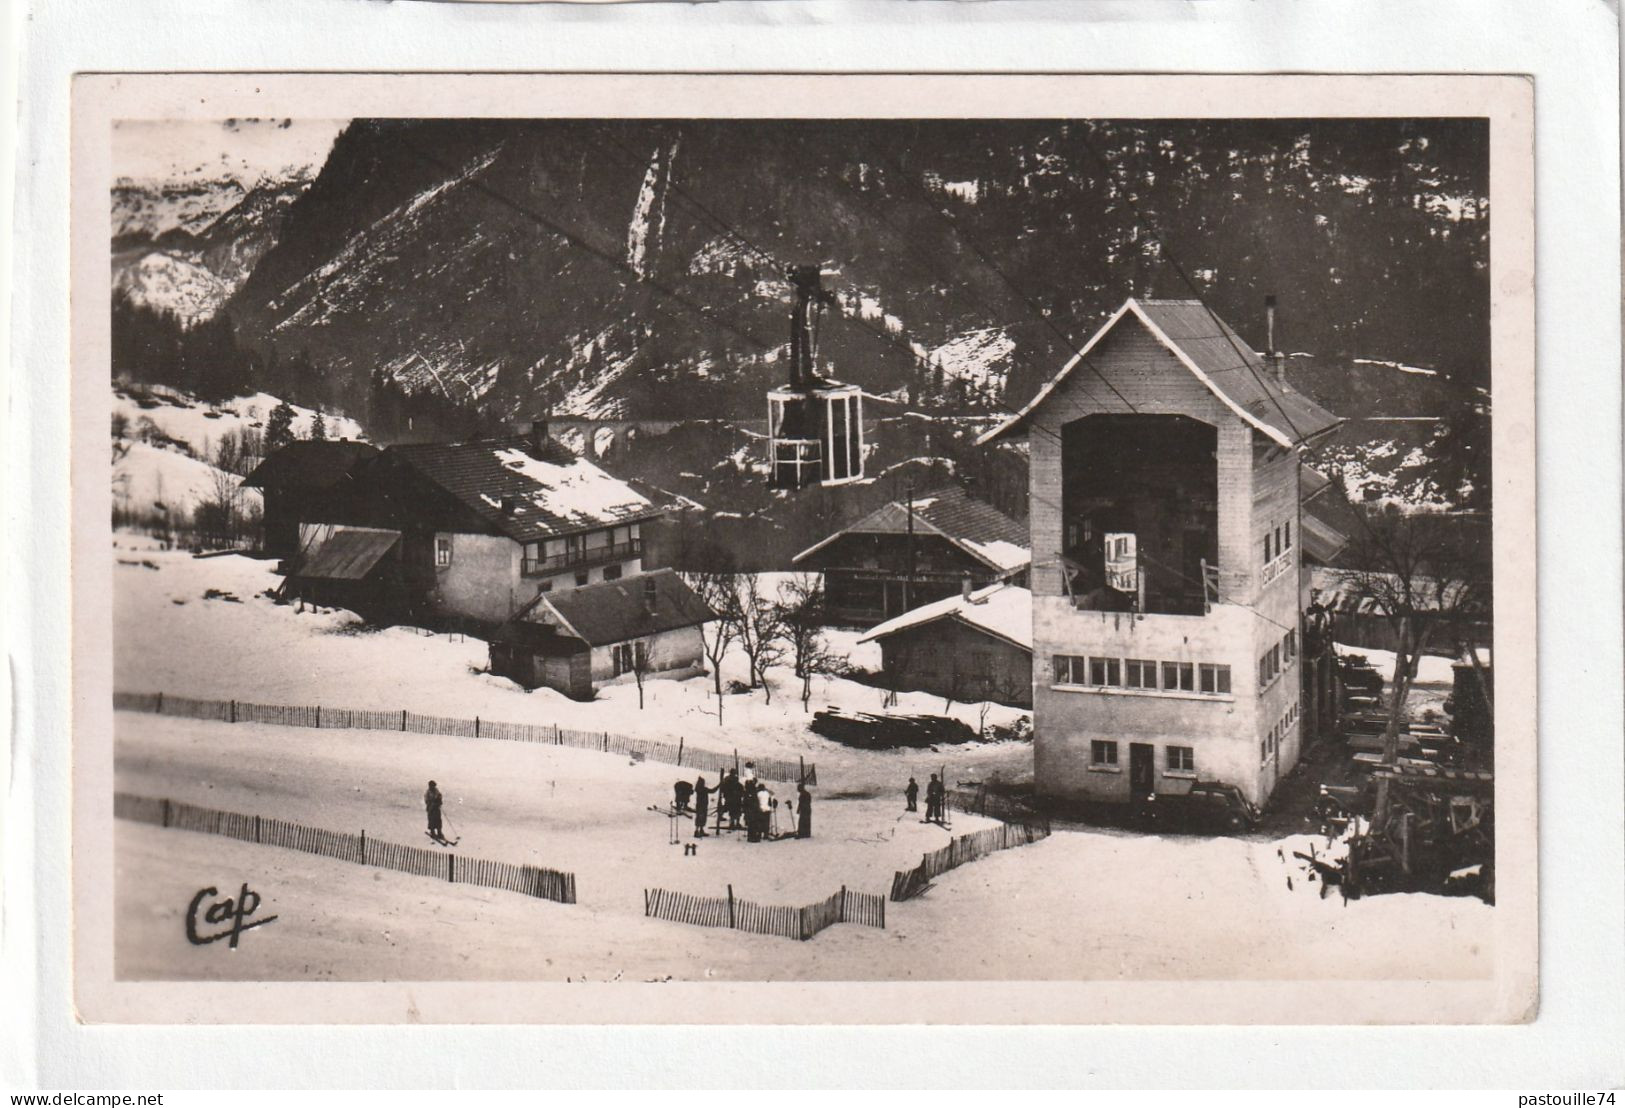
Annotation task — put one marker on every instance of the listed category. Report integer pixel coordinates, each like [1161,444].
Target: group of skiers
[747,804]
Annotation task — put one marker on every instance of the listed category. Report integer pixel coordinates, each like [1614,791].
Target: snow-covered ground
[1080,905]
[169,638]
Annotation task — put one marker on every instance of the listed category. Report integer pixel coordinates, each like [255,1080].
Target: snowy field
[1080,905]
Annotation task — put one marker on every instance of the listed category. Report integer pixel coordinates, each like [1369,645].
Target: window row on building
[1277,541]
[1142,674]
[1277,659]
[1270,744]
[1176,759]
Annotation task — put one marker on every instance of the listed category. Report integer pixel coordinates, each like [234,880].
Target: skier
[431,802]
[732,793]
[702,807]
[912,795]
[933,800]
[803,813]
[681,791]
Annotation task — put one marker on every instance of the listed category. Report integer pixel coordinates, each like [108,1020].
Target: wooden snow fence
[360,719]
[800,923]
[536,881]
[909,883]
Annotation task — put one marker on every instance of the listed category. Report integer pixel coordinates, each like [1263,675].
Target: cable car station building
[1166,574]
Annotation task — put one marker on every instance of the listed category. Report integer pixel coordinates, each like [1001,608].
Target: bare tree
[717,590]
[1421,575]
[758,628]
[640,667]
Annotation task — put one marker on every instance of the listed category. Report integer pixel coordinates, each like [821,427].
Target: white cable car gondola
[815,424]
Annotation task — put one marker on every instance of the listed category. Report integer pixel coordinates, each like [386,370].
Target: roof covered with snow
[1210,349]
[524,493]
[978,528]
[618,611]
[1002,610]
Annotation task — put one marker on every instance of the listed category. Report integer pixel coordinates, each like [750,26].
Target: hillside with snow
[166,444]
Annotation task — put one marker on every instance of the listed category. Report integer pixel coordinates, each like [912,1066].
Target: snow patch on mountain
[649,213]
[980,358]
[168,282]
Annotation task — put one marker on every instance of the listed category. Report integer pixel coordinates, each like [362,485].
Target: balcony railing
[585,556]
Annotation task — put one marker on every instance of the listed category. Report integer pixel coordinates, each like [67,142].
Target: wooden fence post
[451,867]
[256,828]
[842,914]
[158,706]
[363,846]
[606,742]
[318,715]
[558,736]
[476,727]
[403,719]
[802,780]
[679,750]
[166,812]
[233,711]
[730,902]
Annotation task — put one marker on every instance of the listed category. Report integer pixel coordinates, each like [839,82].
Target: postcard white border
[1579,321]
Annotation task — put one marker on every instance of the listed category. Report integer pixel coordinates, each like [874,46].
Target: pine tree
[318,428]
[279,429]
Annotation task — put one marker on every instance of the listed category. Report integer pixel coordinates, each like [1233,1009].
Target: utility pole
[908,581]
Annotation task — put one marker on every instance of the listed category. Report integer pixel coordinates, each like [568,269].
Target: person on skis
[432,801]
[912,795]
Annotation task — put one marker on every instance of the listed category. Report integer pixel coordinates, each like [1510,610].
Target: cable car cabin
[816,435]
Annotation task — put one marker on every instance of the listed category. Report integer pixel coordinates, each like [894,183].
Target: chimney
[535,432]
[507,505]
[651,593]
[1272,351]
[965,587]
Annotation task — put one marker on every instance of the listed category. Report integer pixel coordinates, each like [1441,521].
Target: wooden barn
[974,645]
[297,479]
[913,551]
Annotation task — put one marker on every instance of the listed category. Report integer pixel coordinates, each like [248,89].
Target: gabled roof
[977,528]
[617,611]
[309,464]
[555,493]
[1004,611]
[349,554]
[1233,371]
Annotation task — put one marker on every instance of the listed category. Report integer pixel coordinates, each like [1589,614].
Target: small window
[1287,531]
[1278,546]
[1179,676]
[1139,674]
[1069,669]
[1291,645]
[581,577]
[442,550]
[612,573]
[1182,758]
[1269,554]
[1106,672]
[1215,679]
[1102,752]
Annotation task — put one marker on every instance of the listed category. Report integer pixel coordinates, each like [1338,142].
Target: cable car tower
[815,424]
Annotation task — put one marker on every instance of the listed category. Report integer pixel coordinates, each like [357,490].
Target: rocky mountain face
[185,248]
[635,269]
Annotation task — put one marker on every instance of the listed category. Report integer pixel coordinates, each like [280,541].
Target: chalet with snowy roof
[974,645]
[300,474]
[1168,538]
[471,530]
[575,640]
[910,552]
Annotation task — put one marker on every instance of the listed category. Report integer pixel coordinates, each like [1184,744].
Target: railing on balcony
[585,556]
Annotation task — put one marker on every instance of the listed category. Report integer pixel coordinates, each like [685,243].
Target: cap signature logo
[230,911]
